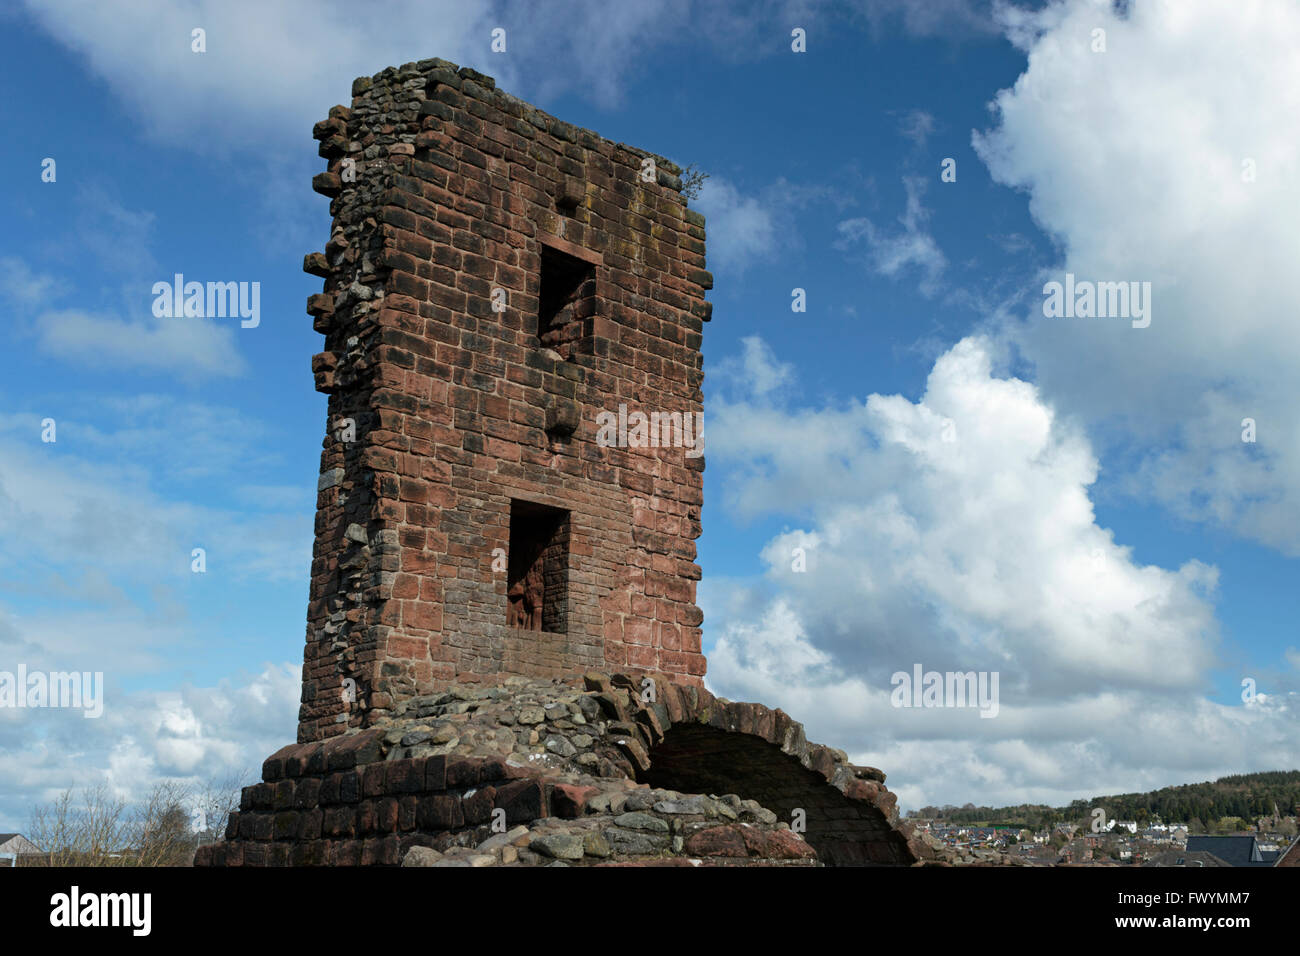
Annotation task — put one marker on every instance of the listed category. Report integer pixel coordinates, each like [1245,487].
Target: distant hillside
[1248,795]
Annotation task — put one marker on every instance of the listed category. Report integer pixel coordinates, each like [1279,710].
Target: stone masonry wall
[449,195]
[593,774]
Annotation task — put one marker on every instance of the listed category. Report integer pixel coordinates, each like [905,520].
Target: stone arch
[683,738]
[698,758]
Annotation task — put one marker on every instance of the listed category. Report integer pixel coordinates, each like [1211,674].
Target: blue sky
[1097,532]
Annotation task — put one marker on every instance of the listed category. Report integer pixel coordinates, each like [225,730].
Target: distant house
[17,845]
[1077,851]
[1233,850]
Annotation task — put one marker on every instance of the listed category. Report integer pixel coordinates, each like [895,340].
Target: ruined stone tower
[495,280]
[503,660]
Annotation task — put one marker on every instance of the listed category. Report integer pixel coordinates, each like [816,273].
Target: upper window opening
[567,301]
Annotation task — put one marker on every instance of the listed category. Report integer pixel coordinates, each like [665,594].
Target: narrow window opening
[567,302]
[537,576]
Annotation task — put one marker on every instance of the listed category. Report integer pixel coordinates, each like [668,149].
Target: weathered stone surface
[531,715]
[456,799]
[595,845]
[421,856]
[634,842]
[641,821]
[561,846]
[499,840]
[522,800]
[697,804]
[570,801]
[634,749]
[716,841]
[561,746]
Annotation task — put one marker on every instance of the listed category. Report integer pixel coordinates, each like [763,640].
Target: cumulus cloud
[756,372]
[1161,160]
[965,516]
[192,735]
[957,532]
[220,101]
[97,579]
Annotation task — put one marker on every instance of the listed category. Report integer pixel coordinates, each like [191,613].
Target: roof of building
[1290,856]
[1233,850]
[1184,858]
[24,845]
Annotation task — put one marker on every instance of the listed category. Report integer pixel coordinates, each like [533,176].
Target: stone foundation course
[597,771]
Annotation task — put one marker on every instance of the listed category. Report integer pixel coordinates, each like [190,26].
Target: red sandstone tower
[495,280]
[510,486]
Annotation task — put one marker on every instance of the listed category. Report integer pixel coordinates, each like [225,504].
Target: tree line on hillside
[1245,796]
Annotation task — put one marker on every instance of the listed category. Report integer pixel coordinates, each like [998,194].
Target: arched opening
[697,758]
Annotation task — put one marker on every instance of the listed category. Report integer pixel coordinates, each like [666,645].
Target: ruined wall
[444,414]
[533,771]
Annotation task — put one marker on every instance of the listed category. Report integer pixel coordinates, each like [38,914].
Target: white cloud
[96,577]
[1133,160]
[891,253]
[79,505]
[917,126]
[192,736]
[977,553]
[24,287]
[951,19]
[742,229]
[756,371]
[979,545]
[220,101]
[746,229]
[190,348]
